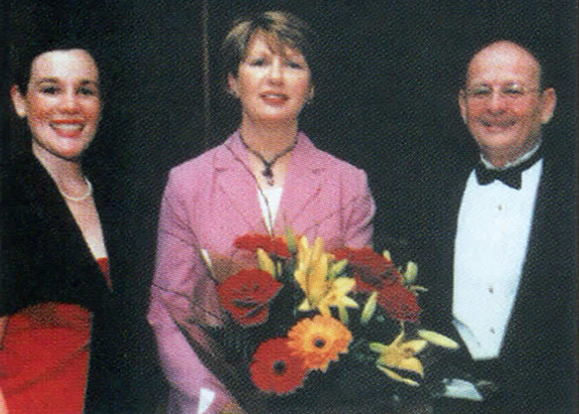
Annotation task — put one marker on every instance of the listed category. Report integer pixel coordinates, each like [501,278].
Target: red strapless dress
[44,358]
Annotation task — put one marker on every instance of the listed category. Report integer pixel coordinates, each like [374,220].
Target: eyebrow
[51,80]
[508,83]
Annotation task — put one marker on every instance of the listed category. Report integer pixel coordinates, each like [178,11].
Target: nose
[497,102]
[69,102]
[275,74]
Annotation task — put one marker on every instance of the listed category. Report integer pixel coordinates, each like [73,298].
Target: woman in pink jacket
[266,176]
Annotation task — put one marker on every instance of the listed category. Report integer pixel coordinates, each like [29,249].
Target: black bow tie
[509,176]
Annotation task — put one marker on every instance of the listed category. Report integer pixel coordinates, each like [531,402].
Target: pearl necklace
[267,172]
[82,197]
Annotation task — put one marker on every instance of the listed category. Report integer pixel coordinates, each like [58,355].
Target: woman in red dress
[55,282]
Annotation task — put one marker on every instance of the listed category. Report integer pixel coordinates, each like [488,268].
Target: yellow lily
[337,291]
[369,308]
[265,262]
[409,276]
[437,339]
[410,273]
[311,271]
[337,268]
[321,291]
[400,355]
[290,240]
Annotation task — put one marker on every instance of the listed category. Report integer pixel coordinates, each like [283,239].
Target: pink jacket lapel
[234,179]
[302,184]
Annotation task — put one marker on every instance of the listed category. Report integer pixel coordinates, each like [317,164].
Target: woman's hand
[229,408]
[3,408]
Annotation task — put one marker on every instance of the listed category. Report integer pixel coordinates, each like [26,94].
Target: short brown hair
[286,28]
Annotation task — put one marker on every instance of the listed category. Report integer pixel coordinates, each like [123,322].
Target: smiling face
[273,85]
[62,104]
[504,124]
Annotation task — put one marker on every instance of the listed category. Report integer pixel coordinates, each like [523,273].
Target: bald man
[500,258]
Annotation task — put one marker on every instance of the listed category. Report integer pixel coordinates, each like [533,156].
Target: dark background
[386,101]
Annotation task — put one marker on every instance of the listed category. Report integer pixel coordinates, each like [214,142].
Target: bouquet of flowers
[308,327]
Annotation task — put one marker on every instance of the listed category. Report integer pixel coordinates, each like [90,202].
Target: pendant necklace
[267,172]
[82,197]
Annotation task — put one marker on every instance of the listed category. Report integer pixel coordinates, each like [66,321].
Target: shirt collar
[518,161]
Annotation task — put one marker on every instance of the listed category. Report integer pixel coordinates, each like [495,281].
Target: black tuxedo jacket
[45,258]
[537,367]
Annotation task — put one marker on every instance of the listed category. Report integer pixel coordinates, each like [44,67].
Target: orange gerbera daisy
[319,340]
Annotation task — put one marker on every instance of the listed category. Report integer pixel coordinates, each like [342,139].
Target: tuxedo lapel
[447,221]
[536,278]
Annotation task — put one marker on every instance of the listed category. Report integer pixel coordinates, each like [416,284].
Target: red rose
[399,302]
[371,269]
[271,245]
[247,294]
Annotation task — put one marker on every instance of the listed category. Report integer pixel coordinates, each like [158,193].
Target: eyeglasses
[511,92]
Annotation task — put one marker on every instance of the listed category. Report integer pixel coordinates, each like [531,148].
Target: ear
[233,85]
[549,98]
[18,101]
[311,93]
[462,104]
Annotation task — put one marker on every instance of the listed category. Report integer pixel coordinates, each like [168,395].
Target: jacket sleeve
[178,269]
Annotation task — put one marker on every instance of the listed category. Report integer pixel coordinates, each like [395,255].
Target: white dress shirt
[269,200]
[494,224]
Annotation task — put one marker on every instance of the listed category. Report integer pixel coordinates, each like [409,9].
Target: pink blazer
[211,200]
